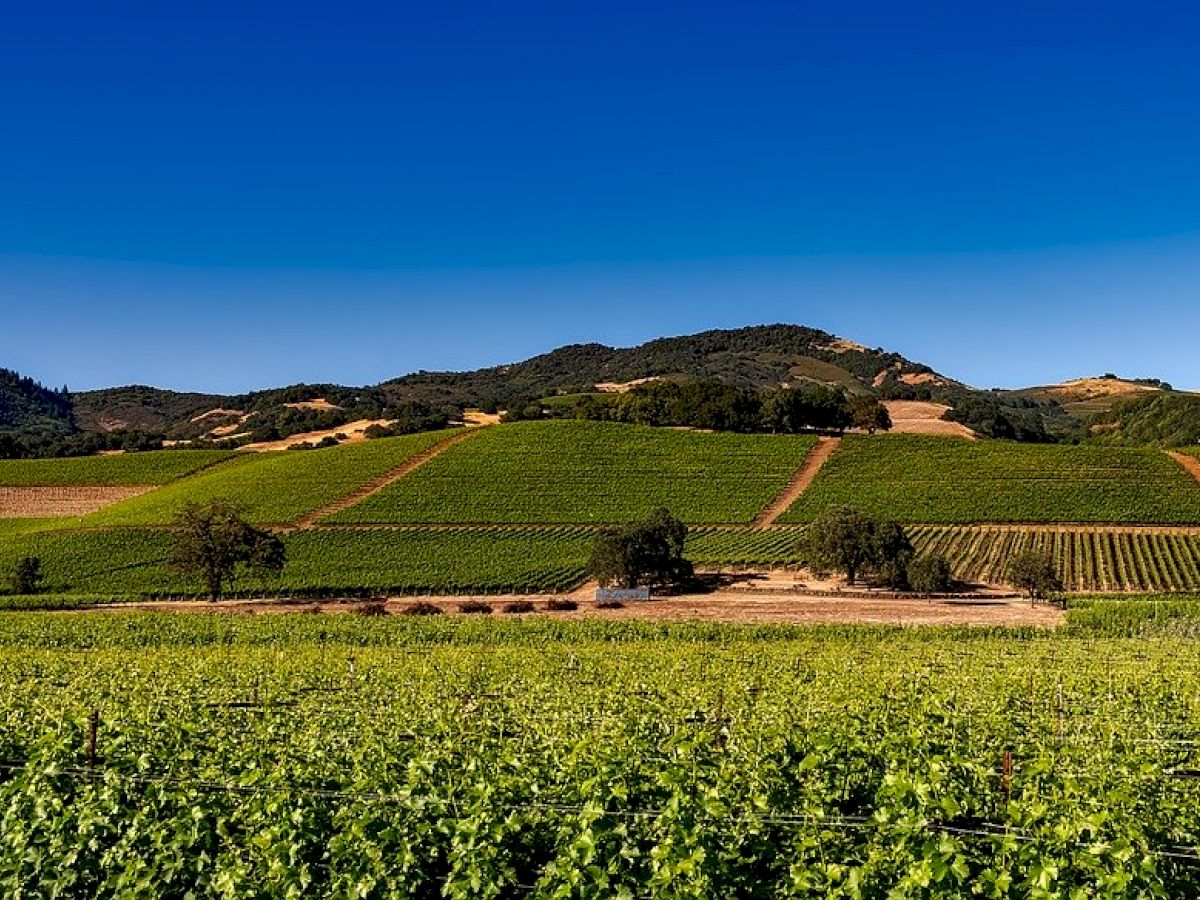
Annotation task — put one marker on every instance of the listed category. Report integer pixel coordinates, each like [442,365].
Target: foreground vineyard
[1088,559]
[307,756]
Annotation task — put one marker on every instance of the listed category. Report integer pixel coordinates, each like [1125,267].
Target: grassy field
[590,472]
[911,478]
[150,467]
[334,756]
[274,487]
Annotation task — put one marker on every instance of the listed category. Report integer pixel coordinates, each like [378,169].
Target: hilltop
[757,357]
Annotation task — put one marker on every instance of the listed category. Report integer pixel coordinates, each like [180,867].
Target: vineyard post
[1060,712]
[93,729]
[1006,768]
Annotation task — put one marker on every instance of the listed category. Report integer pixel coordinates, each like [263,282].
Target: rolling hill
[758,357]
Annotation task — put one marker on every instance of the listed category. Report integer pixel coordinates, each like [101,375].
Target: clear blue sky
[212,195]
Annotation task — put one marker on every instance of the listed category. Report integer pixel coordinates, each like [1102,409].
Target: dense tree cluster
[646,553]
[719,406]
[83,443]
[848,542]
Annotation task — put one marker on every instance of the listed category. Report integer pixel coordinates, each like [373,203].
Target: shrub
[609,604]
[559,605]
[475,606]
[518,606]
[27,575]
[371,608]
[421,608]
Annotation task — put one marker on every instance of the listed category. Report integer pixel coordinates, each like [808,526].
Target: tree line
[718,406]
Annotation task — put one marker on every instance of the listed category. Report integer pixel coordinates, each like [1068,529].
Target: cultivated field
[1088,559]
[515,507]
[590,472]
[324,756]
[151,467]
[911,478]
[275,488]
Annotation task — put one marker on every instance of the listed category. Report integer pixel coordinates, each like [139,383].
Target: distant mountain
[760,357]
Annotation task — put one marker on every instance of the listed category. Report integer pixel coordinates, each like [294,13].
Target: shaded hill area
[760,356]
[1160,418]
[31,408]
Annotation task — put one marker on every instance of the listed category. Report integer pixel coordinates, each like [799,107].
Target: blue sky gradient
[225,196]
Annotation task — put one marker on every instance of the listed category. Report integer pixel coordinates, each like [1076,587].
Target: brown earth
[479,417]
[320,403]
[919,417]
[622,387]
[841,345]
[50,502]
[799,482]
[353,431]
[769,608]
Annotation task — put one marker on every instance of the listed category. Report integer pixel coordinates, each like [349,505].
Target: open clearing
[919,417]
[350,432]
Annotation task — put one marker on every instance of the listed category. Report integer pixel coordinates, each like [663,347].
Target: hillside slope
[758,357]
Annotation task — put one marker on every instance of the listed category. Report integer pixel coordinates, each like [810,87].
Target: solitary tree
[870,415]
[212,541]
[891,553]
[649,552]
[27,575]
[841,540]
[1034,572]
[930,574]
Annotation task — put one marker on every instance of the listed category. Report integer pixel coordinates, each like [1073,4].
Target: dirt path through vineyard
[817,457]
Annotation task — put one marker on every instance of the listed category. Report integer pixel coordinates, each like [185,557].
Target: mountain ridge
[756,357]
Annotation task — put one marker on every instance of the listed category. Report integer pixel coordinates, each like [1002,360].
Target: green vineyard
[274,487]
[1088,559]
[590,473]
[336,756]
[151,467]
[909,478]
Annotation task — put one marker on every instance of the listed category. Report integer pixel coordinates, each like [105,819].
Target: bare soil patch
[841,345]
[51,502]
[479,417]
[767,608]
[320,403]
[622,387]
[353,431]
[919,417]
